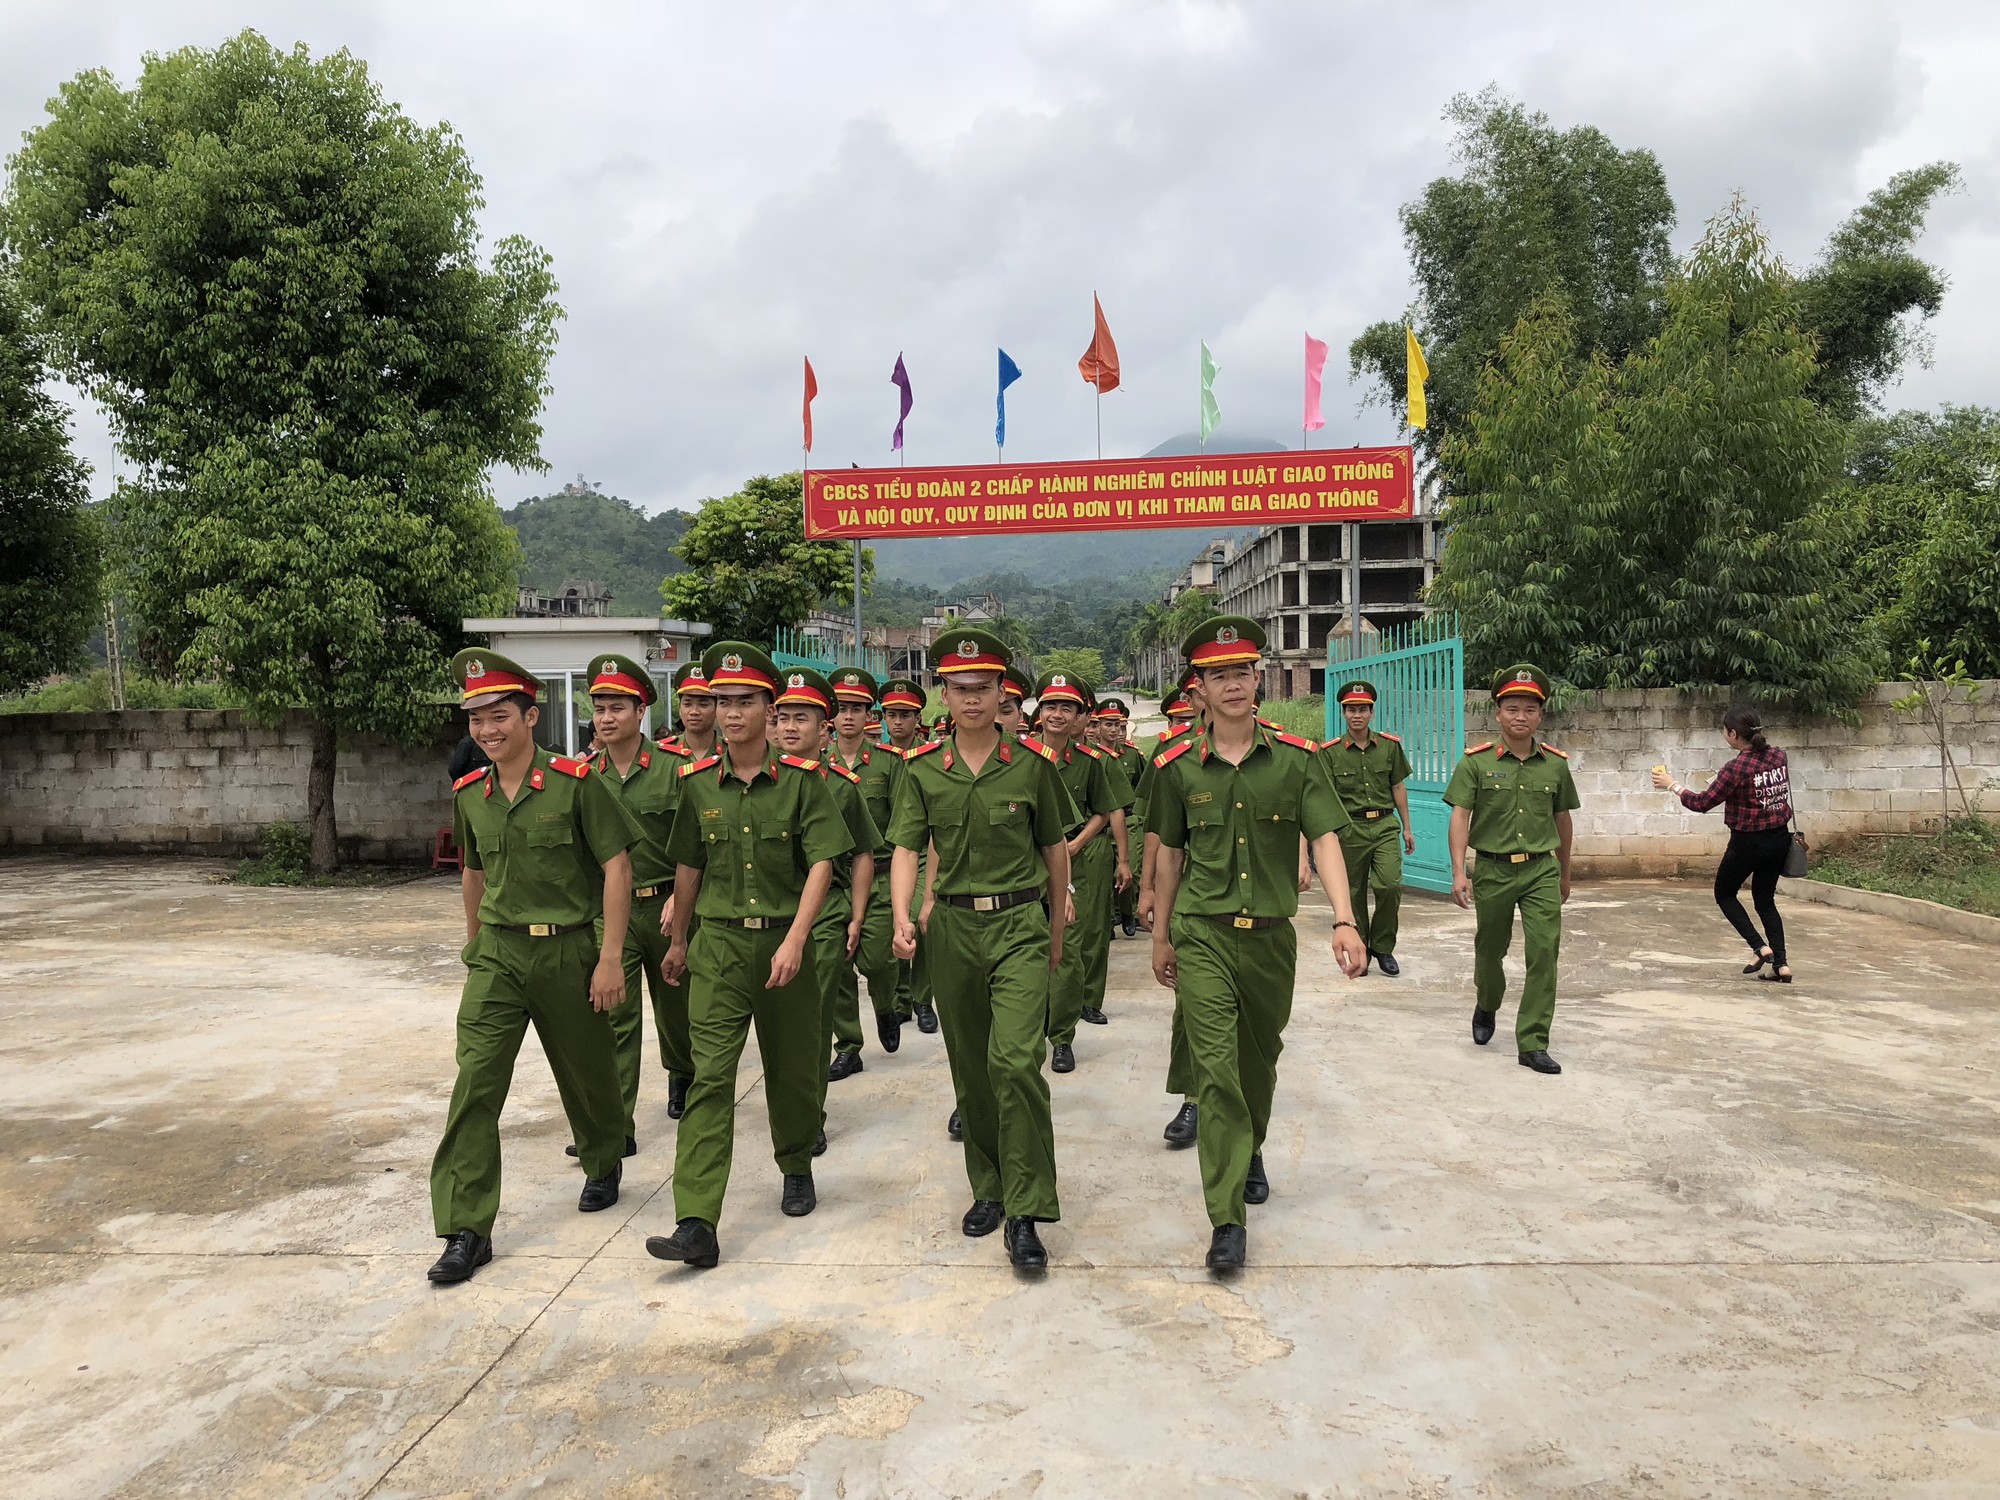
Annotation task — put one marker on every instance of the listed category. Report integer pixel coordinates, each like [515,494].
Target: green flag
[1211,414]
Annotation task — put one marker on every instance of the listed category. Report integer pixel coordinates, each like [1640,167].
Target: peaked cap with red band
[1061,687]
[804,687]
[1524,677]
[1112,708]
[852,685]
[1014,685]
[1357,692]
[1224,641]
[691,679]
[737,664]
[621,674]
[964,649]
[1177,707]
[485,677]
[902,692]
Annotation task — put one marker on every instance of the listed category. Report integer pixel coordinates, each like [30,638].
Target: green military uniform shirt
[989,829]
[1132,761]
[1094,783]
[1366,776]
[755,841]
[880,770]
[862,830]
[1240,825]
[1514,802]
[651,792]
[544,853]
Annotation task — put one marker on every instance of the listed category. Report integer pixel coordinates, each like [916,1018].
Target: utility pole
[114,655]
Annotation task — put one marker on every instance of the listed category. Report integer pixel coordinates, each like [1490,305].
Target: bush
[281,860]
[92,695]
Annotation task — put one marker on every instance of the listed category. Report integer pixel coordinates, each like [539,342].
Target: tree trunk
[319,799]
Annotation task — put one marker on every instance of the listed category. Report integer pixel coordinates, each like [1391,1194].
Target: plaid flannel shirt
[1755,790]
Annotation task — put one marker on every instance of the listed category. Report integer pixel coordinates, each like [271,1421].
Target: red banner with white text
[1111,494]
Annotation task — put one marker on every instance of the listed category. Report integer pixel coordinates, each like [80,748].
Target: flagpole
[1100,420]
[1200,436]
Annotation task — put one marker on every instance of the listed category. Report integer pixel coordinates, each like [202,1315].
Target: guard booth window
[556,732]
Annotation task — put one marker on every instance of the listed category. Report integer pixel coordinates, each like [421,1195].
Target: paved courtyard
[1745,1245]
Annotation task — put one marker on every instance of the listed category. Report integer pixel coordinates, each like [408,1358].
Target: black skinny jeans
[1758,857]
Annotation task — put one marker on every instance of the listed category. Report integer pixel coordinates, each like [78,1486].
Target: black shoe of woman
[1763,958]
[1782,974]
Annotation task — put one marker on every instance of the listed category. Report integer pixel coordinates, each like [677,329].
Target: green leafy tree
[750,567]
[1533,211]
[49,543]
[1188,611]
[1084,663]
[1664,519]
[269,277]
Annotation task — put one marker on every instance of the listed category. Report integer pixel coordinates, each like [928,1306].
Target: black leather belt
[542,929]
[1370,814]
[645,891]
[754,924]
[1514,859]
[1248,924]
[994,903]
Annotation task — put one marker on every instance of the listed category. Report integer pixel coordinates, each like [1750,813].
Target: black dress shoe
[693,1242]
[845,1065]
[1386,962]
[1024,1246]
[1540,1061]
[1256,1187]
[1180,1129]
[1130,925]
[1227,1247]
[1063,1059]
[1482,1026]
[889,1030]
[954,1127]
[819,1146]
[927,1021]
[599,1192]
[1095,1016]
[677,1095]
[464,1253]
[631,1147]
[799,1199]
[982,1218]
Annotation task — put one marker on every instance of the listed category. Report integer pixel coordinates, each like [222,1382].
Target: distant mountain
[1222,440]
[599,537]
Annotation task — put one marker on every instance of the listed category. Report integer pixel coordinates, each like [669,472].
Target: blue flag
[1009,373]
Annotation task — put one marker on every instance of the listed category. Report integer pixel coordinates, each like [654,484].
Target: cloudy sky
[726,188]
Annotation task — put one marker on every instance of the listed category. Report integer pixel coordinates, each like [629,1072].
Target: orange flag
[812,390]
[1100,361]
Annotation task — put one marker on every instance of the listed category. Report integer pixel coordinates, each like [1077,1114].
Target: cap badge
[1524,675]
[1225,635]
[608,667]
[797,679]
[475,668]
[968,647]
[1059,681]
[732,663]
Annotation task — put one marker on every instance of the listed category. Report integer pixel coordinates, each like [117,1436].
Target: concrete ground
[1743,1246]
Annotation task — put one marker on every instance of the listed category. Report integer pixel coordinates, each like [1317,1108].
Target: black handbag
[1797,862]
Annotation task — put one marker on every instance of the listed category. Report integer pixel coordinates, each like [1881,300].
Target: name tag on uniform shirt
[1198,798]
[711,812]
[554,817]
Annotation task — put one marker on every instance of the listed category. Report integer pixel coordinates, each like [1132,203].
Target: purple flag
[901,378]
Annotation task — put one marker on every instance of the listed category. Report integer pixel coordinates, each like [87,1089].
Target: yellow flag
[1420,371]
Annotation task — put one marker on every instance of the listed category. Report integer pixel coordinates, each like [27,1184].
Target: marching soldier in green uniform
[880,771]
[1012,717]
[995,811]
[545,846]
[1229,806]
[647,780]
[696,707]
[1099,790]
[805,701]
[754,843]
[1113,719]
[1181,713]
[1368,770]
[903,702]
[1511,805]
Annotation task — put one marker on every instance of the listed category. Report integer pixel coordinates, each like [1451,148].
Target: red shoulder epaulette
[1553,751]
[1384,734]
[675,747]
[1175,731]
[924,749]
[577,768]
[469,777]
[1031,743]
[1160,760]
[1475,749]
[1092,751]
[1292,739]
[798,763]
[700,765]
[838,769]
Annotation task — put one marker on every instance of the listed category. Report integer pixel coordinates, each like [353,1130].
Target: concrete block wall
[182,782]
[1880,776]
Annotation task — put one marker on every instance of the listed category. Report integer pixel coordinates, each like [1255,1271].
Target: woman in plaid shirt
[1755,792]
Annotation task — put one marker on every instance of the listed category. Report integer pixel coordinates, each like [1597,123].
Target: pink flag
[1315,369]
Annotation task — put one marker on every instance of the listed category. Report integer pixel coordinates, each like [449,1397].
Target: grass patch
[1305,717]
[92,695]
[288,849]
[1960,867]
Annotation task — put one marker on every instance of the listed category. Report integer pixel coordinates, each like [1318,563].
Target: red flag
[812,390]
[1100,361]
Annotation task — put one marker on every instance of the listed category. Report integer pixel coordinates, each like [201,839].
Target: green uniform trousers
[1535,888]
[1126,902]
[913,983]
[992,973]
[1180,1071]
[645,949]
[876,961]
[1374,856]
[1086,958]
[829,957]
[727,969]
[510,980]
[1235,998]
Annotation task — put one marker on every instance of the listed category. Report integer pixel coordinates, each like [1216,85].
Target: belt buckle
[541,929]
[986,903]
[1519,859]
[1372,814]
[1243,922]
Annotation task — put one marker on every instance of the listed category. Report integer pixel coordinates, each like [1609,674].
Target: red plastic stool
[445,852]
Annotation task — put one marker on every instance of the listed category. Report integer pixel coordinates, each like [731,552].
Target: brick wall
[181,782]
[1878,777]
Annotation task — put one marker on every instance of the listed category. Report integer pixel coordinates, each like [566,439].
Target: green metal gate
[1418,671]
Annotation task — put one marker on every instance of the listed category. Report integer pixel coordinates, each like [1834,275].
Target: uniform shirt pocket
[773,828]
[551,838]
[947,809]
